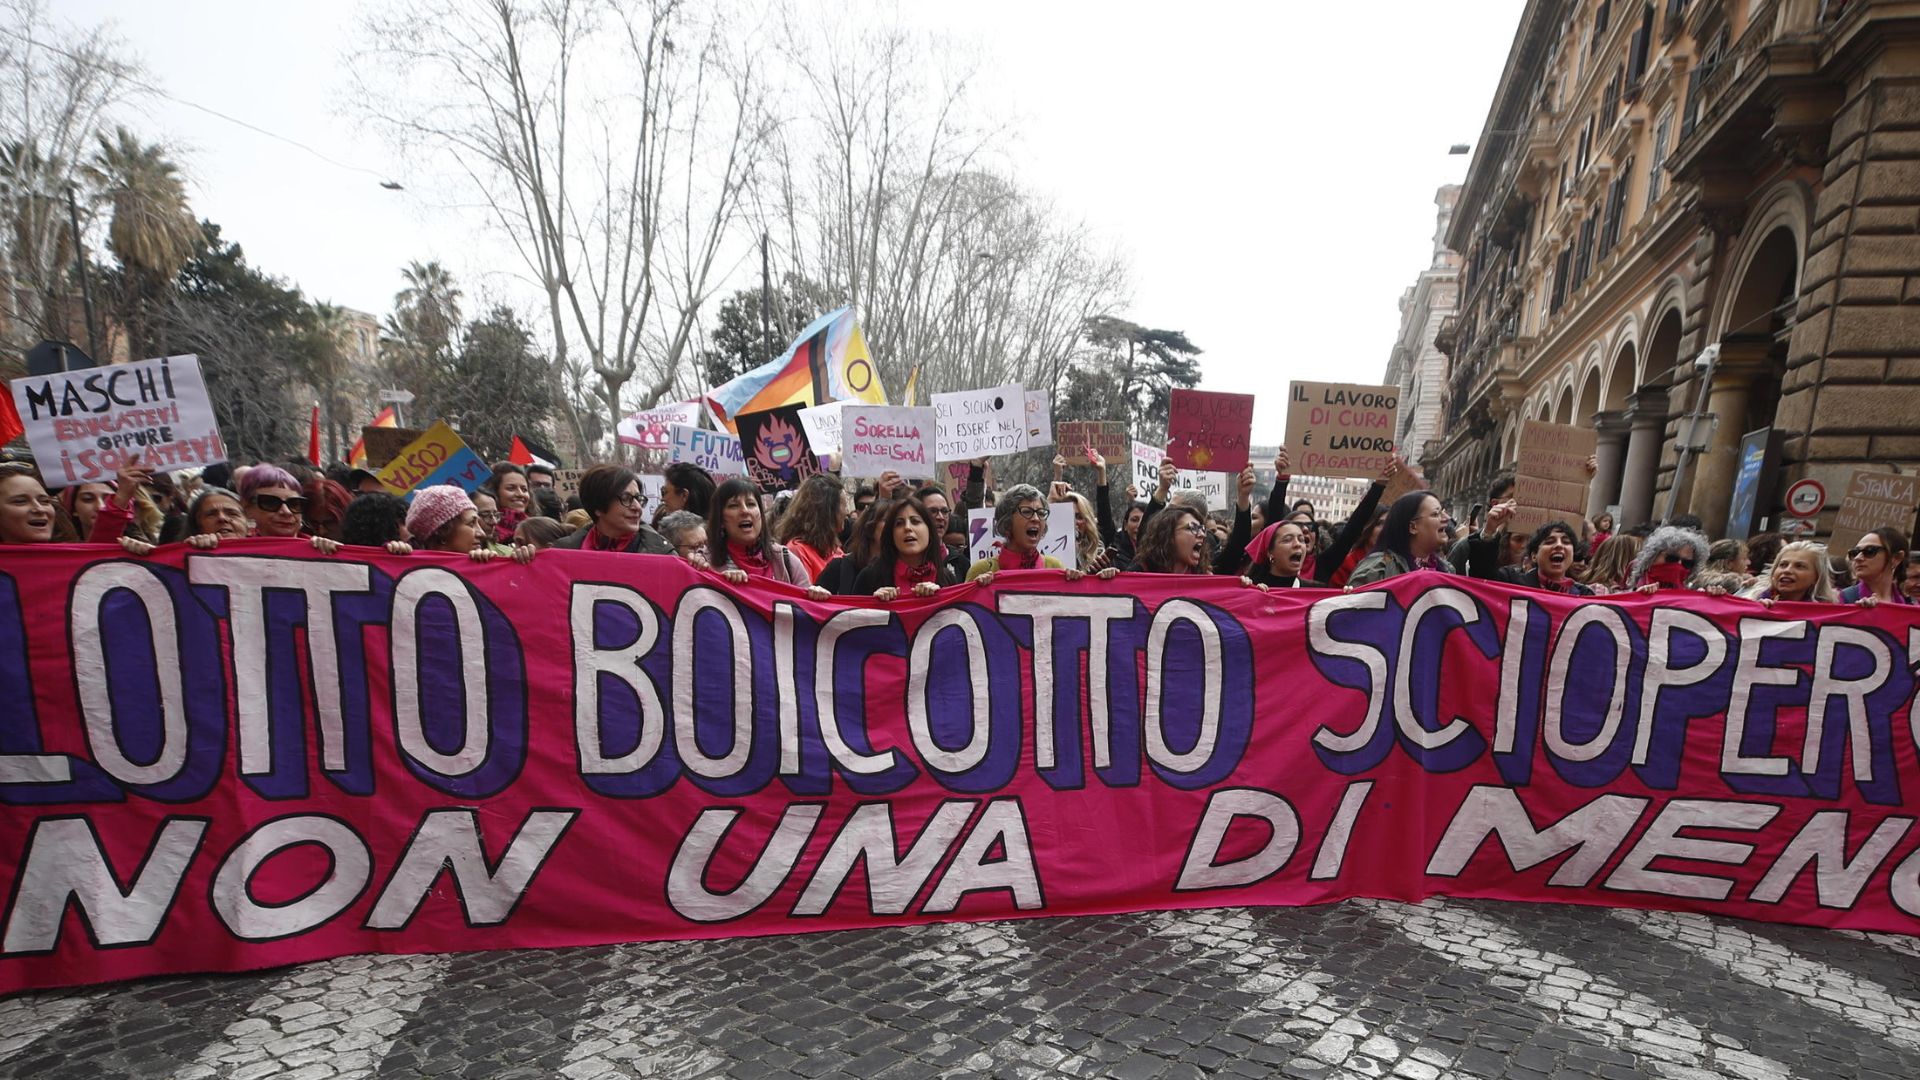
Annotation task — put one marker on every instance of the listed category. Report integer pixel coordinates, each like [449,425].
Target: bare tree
[57,86]
[610,144]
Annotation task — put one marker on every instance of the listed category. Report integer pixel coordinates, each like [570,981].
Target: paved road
[1364,989]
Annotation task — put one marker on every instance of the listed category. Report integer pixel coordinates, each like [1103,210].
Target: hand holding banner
[1209,432]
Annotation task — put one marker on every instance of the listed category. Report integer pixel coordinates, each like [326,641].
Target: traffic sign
[1806,498]
[397,397]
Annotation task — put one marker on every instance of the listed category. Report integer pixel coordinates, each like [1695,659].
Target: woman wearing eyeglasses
[271,499]
[1798,574]
[611,496]
[1667,561]
[1020,520]
[1879,564]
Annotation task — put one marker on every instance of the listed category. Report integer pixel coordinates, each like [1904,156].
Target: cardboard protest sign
[1109,438]
[1039,421]
[774,446]
[981,423]
[383,444]
[1146,468]
[715,451]
[1340,429]
[982,543]
[436,457]
[83,425]
[1209,431]
[566,483]
[1874,499]
[652,429]
[878,438]
[1551,482]
[822,425]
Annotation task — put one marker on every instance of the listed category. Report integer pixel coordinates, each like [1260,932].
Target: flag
[913,387]
[10,426]
[830,354]
[520,455]
[313,437]
[357,457]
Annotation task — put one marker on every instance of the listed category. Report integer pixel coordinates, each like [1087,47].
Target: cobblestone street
[1365,989]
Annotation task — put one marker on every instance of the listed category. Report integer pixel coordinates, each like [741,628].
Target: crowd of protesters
[890,539]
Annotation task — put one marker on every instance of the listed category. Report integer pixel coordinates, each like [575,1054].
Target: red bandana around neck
[749,559]
[1014,560]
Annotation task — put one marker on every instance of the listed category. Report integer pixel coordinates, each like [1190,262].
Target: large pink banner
[261,756]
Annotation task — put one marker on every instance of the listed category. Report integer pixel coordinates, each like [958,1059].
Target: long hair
[889,555]
[815,514]
[1613,561]
[865,546]
[1088,545]
[1664,539]
[1154,553]
[736,486]
[1394,531]
[1822,591]
[696,482]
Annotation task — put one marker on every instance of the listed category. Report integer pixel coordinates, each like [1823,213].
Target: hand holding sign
[1209,432]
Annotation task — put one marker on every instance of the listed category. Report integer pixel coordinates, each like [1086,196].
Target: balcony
[1744,104]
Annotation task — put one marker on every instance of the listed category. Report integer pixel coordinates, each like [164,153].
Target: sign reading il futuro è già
[221,761]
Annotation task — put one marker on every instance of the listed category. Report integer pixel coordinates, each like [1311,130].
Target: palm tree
[328,361]
[427,312]
[153,232]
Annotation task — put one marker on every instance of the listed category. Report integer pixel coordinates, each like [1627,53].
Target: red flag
[519,454]
[313,437]
[10,426]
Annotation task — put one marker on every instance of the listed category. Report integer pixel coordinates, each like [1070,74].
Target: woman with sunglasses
[1798,574]
[1667,561]
[1879,564]
[271,499]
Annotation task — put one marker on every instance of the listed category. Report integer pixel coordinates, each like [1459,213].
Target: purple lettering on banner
[131,633]
[31,776]
[461,646]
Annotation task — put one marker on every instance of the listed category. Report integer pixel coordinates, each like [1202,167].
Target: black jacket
[1483,561]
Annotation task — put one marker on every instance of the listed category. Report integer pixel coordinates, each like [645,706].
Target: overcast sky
[1269,170]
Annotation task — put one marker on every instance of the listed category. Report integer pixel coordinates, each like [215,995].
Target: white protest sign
[878,438]
[1057,542]
[822,423]
[715,451]
[652,429]
[1214,485]
[83,425]
[653,489]
[1039,421]
[981,423]
[1146,468]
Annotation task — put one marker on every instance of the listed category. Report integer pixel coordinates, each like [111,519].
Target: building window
[1656,172]
[1642,47]
[1560,270]
[1616,208]
[1600,23]
[1585,149]
[1610,105]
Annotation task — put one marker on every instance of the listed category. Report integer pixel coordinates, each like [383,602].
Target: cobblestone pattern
[1439,991]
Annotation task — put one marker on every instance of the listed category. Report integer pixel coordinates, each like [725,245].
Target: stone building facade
[1417,365]
[1655,178]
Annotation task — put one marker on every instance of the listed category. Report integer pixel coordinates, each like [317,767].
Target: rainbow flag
[831,346]
[357,457]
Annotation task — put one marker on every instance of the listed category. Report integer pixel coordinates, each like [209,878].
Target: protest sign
[1874,499]
[1218,487]
[981,423]
[1109,438]
[436,457]
[383,444]
[1146,468]
[1208,431]
[1057,541]
[1341,430]
[822,425]
[878,438]
[1039,421]
[774,446]
[587,750]
[652,429]
[715,451]
[566,483]
[83,425]
[1551,482]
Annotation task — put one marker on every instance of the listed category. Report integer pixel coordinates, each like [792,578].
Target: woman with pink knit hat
[443,518]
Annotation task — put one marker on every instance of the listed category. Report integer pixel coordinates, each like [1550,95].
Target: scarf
[509,521]
[1013,560]
[906,577]
[1564,585]
[1668,575]
[1257,549]
[749,559]
[599,541]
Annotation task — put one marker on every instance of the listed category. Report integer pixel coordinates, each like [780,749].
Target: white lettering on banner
[411,593]
[1201,871]
[83,425]
[64,862]
[715,451]
[879,438]
[449,839]
[349,870]
[97,704]
[590,661]
[981,423]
